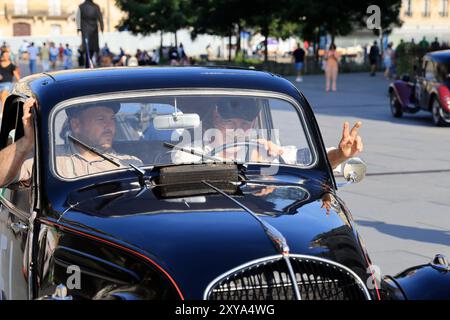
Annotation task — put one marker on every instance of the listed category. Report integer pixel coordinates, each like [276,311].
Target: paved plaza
[404,219]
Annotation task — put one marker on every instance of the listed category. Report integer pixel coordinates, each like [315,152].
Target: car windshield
[443,71]
[177,129]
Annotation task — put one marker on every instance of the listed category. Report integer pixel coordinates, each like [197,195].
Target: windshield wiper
[93,150]
[140,172]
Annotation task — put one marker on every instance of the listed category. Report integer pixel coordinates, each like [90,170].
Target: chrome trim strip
[298,296]
[279,257]
[180,92]
[267,286]
[274,235]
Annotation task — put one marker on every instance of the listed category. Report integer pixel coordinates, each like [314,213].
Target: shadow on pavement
[410,233]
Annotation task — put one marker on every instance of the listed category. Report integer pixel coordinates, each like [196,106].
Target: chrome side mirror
[354,170]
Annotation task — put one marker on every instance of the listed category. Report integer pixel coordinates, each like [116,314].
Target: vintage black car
[181,222]
[428,91]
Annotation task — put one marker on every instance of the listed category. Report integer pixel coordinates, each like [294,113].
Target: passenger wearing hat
[92,124]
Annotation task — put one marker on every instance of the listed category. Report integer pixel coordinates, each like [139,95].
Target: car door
[420,82]
[15,212]
[428,83]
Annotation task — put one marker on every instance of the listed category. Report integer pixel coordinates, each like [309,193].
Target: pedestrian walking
[68,53]
[155,57]
[8,71]
[105,50]
[53,55]
[61,53]
[4,46]
[80,56]
[298,55]
[374,54]
[45,57]
[32,56]
[209,53]
[23,50]
[424,43]
[332,59]
[174,56]
[184,59]
[388,55]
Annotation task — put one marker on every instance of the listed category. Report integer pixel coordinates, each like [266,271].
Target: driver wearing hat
[92,124]
[233,117]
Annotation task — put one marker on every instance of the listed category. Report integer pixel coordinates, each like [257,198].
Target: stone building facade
[49,17]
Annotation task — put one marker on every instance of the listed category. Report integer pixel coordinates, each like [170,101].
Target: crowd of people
[390,56]
[386,60]
[173,55]
[51,57]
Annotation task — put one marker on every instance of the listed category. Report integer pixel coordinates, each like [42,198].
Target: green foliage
[217,17]
[408,55]
[281,18]
[340,17]
[150,16]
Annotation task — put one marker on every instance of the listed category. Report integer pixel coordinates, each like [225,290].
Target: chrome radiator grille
[268,279]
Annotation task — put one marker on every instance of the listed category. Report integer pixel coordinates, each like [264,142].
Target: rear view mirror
[176,120]
[354,170]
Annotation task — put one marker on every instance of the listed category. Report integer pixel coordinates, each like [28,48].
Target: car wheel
[436,111]
[396,108]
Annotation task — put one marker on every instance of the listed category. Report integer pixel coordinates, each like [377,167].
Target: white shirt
[33,52]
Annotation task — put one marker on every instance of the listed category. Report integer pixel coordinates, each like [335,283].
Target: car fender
[443,93]
[403,91]
[424,282]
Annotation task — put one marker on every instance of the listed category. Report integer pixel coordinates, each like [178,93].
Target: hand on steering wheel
[271,148]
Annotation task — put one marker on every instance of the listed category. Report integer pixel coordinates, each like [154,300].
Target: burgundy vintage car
[429,91]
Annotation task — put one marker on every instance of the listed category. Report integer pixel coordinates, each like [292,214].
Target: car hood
[197,238]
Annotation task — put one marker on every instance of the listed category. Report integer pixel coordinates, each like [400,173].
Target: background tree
[261,15]
[217,17]
[151,16]
[340,17]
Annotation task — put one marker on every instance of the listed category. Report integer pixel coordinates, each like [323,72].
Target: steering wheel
[248,145]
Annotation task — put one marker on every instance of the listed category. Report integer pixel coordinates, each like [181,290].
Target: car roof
[80,74]
[54,87]
[440,56]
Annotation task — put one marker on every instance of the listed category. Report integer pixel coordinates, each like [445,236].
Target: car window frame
[31,189]
[432,65]
[307,128]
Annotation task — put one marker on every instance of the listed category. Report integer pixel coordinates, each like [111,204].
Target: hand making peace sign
[351,143]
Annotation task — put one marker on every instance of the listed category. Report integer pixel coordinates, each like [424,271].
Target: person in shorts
[299,60]
[8,71]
